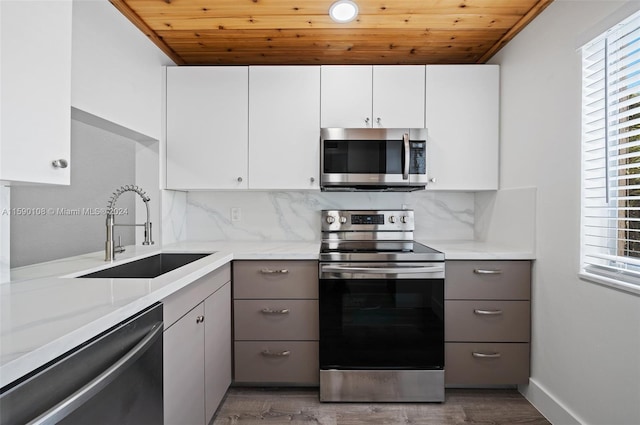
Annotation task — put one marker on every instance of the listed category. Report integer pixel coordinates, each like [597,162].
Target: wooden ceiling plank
[284,53]
[296,45]
[432,22]
[234,8]
[361,58]
[334,34]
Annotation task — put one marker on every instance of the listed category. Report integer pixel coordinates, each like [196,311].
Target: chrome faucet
[110,249]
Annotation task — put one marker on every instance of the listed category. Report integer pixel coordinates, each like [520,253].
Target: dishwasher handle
[74,401]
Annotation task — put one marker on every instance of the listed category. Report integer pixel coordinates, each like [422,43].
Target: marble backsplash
[295,216]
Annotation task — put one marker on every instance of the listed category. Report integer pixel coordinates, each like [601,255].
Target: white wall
[586,338]
[5,221]
[116,70]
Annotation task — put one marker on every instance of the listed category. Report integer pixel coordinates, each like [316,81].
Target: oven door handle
[384,270]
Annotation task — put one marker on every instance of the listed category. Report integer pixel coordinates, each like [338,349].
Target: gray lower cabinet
[275,322]
[197,349]
[487,322]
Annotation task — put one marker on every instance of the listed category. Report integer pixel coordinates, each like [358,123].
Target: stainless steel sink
[147,268]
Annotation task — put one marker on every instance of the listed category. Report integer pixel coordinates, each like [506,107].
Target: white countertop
[45,311]
[474,250]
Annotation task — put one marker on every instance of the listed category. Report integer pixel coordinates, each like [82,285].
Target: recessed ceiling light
[343,11]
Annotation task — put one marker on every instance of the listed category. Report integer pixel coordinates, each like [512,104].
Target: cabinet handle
[271,311]
[379,121]
[269,353]
[60,163]
[432,180]
[271,271]
[199,319]
[312,179]
[487,271]
[486,355]
[239,179]
[487,312]
[366,121]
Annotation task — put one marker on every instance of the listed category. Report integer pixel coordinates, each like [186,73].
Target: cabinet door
[346,96]
[183,370]
[207,127]
[398,96]
[36,91]
[462,112]
[284,127]
[217,348]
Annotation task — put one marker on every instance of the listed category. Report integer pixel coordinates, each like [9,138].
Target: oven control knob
[392,219]
[343,220]
[330,219]
[403,219]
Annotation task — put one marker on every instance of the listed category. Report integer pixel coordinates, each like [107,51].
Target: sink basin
[147,268]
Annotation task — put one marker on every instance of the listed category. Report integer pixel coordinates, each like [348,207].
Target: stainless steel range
[381,309]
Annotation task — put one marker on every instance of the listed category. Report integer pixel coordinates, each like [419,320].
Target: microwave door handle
[407,156]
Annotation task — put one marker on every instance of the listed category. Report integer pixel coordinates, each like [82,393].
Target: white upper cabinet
[207,127]
[35,84]
[373,96]
[462,119]
[346,96]
[284,127]
[398,96]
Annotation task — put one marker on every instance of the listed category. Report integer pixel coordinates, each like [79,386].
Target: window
[610,251]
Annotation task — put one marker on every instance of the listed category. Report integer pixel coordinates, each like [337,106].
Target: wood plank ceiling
[261,32]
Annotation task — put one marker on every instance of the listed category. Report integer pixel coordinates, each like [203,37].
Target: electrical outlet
[235,214]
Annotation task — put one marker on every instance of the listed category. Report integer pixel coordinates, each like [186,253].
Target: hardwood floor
[248,406]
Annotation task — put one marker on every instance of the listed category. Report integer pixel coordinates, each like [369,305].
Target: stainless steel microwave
[373,159]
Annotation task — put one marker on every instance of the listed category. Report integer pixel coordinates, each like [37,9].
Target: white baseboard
[548,405]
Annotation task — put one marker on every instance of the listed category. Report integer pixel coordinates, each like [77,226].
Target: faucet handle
[148,237]
[118,249]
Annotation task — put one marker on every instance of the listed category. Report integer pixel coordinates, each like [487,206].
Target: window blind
[611,154]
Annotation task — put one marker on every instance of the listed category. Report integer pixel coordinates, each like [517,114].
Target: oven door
[381,316]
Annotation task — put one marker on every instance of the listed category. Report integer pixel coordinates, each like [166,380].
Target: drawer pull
[270,271]
[487,271]
[269,353]
[271,311]
[199,319]
[487,312]
[486,355]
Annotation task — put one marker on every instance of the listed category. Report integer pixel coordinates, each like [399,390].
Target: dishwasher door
[114,378]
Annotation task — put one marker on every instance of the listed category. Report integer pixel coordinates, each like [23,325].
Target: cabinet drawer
[497,321]
[287,362]
[179,303]
[275,279]
[276,319]
[500,280]
[486,364]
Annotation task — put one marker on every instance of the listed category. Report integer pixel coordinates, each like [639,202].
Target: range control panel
[367,220]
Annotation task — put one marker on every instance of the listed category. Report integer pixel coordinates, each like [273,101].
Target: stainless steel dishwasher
[114,378]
